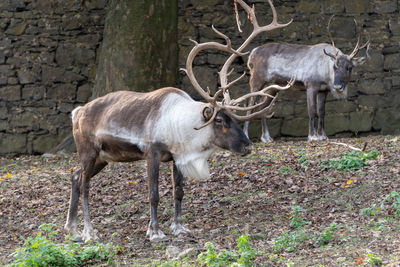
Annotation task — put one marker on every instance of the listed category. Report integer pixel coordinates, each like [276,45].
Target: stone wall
[374,93]
[48,55]
[49,50]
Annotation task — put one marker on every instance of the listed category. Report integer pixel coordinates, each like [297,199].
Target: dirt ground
[251,195]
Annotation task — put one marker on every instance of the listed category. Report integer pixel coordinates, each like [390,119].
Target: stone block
[3,125]
[371,101]
[31,92]
[2,56]
[95,4]
[274,127]
[394,26]
[333,6]
[382,7]
[65,107]
[26,76]
[371,87]
[295,127]
[339,106]
[392,61]
[3,113]
[51,74]
[385,115]
[70,55]
[16,29]
[65,92]
[301,110]
[10,93]
[357,7]
[84,93]
[44,143]
[283,109]
[361,121]
[24,122]
[336,123]
[375,63]
[308,6]
[13,143]
[12,5]
[216,59]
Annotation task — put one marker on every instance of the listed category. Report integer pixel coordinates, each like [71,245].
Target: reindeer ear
[357,61]
[208,111]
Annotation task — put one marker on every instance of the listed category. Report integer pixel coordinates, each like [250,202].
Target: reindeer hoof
[266,139]
[322,137]
[89,235]
[178,229]
[312,138]
[155,235]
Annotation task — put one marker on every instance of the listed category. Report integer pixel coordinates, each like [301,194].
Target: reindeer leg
[246,123]
[311,104]
[265,137]
[177,181]
[71,224]
[321,97]
[153,165]
[91,168]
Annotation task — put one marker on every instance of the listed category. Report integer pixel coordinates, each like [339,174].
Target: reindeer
[318,69]
[160,126]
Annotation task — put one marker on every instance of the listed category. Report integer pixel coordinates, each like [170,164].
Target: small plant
[327,235]
[296,221]
[373,260]
[243,256]
[303,159]
[391,203]
[289,241]
[284,171]
[351,161]
[42,251]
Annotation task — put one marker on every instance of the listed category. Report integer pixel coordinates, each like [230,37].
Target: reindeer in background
[318,69]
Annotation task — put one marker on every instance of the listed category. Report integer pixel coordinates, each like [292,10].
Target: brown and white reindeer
[163,125]
[318,68]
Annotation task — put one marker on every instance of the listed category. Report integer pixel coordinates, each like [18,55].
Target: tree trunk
[139,51]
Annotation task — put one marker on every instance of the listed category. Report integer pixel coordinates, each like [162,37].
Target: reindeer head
[227,132]
[343,64]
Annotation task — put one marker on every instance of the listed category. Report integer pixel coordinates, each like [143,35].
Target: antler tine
[237,16]
[358,47]
[233,82]
[227,40]
[329,31]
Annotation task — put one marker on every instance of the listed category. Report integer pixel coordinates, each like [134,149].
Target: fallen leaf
[8,175]
[328,147]
[241,174]
[360,260]
[350,181]
[132,182]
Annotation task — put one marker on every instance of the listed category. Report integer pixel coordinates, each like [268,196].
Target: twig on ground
[351,147]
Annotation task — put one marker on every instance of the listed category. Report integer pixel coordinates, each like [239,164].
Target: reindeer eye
[218,121]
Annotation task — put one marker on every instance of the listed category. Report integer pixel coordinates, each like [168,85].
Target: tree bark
[139,51]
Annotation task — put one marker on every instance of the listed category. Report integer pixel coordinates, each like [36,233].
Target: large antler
[356,49]
[228,104]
